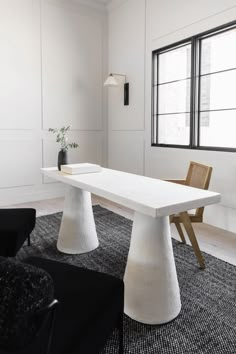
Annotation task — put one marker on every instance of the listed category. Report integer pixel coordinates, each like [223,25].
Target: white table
[151,286]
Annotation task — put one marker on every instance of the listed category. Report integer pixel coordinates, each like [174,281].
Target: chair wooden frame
[198,176]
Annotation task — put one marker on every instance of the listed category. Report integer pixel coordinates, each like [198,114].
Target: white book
[78,168]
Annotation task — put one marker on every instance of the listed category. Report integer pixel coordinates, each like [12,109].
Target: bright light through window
[194,92]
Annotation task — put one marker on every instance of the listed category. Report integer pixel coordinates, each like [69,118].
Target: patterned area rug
[207,322]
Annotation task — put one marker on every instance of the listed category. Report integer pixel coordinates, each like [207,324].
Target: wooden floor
[212,240]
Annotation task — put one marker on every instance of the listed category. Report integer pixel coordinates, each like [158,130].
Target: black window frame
[195,89]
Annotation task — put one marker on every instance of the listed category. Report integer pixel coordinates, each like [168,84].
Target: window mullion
[153,138]
[157,102]
[198,91]
[193,91]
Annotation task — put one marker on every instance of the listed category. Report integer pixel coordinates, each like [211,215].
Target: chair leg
[121,343]
[28,240]
[189,229]
[49,344]
[180,231]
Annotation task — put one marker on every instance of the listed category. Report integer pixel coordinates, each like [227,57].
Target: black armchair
[26,308]
[90,308]
[16,226]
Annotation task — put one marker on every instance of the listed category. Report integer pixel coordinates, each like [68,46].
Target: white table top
[146,195]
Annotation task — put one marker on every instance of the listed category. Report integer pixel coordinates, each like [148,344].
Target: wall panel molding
[44,44]
[72,84]
[19,163]
[17,65]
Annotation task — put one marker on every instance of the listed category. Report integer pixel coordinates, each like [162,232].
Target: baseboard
[30,194]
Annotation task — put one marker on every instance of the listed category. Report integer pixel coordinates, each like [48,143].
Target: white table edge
[150,211]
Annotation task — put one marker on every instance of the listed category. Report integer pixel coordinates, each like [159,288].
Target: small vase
[62,159]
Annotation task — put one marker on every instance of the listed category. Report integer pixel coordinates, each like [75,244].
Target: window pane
[218,91]
[174,97]
[175,64]
[218,52]
[173,129]
[220,130]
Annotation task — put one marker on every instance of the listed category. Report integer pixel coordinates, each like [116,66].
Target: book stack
[79,168]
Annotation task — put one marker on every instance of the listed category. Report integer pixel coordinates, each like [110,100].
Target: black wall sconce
[118,80]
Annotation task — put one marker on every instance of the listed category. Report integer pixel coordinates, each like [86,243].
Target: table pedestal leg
[151,286]
[77,232]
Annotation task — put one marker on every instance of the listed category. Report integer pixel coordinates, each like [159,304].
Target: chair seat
[16,220]
[15,227]
[90,303]
[193,218]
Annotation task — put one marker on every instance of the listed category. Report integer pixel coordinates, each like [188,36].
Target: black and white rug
[207,322]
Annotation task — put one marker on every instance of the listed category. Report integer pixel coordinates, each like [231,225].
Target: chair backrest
[198,176]
[25,316]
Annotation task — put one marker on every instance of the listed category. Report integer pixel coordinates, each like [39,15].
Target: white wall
[53,60]
[137,27]
[126,30]
[53,56]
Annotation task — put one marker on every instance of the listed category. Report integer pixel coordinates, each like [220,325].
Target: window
[194,92]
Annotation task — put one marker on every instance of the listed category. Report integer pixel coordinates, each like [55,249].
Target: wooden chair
[198,176]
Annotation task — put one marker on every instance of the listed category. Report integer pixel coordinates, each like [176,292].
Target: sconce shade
[119,80]
[111,81]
